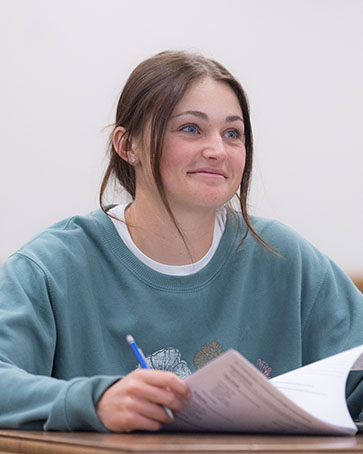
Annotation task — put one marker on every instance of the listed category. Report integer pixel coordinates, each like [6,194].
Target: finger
[135,414]
[154,394]
[127,422]
[166,380]
[150,410]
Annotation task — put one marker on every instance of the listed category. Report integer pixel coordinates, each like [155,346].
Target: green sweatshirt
[70,296]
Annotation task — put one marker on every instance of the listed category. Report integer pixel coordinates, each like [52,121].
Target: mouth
[212,173]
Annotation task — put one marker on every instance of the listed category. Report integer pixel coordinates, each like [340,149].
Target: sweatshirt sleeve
[334,323]
[332,311]
[31,398]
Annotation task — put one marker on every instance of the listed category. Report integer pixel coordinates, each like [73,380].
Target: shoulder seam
[34,262]
[315,300]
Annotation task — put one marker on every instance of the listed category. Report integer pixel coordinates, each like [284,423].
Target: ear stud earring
[132,160]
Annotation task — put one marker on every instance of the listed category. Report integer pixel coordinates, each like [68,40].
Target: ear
[122,146]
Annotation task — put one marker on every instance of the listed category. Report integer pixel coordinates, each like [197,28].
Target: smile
[209,173]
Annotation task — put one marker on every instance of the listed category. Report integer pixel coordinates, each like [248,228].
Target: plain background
[63,64]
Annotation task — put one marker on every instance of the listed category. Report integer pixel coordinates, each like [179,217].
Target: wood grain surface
[166,443]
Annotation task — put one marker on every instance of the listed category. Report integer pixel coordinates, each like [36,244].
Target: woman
[177,268]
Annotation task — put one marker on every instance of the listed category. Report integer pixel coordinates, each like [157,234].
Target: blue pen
[142,361]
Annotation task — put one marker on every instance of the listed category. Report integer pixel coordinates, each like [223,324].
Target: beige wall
[63,63]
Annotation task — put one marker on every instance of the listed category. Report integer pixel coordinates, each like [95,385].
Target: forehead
[208,95]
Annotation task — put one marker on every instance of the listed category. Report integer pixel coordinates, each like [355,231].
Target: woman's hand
[136,401]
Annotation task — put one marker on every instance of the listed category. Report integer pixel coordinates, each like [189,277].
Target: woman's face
[204,152]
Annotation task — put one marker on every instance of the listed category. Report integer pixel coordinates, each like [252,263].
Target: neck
[156,235]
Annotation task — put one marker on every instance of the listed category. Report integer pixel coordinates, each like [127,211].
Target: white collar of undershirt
[118,212]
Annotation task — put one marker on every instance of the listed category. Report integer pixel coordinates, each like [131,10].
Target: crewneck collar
[121,252]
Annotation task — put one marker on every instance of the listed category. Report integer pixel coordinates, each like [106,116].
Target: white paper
[319,388]
[230,394]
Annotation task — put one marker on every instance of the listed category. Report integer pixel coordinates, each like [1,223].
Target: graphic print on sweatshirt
[170,359]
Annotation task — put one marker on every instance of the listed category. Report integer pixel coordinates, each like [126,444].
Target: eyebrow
[204,116]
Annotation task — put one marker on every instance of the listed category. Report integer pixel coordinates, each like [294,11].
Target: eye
[192,129]
[233,134]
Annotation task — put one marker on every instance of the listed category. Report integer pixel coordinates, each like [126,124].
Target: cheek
[175,156]
[239,164]
[243,165]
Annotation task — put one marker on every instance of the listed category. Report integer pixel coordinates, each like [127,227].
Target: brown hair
[148,99]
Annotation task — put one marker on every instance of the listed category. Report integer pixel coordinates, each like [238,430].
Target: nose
[214,147]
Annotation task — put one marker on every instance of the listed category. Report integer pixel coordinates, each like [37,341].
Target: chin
[200,200]
[211,204]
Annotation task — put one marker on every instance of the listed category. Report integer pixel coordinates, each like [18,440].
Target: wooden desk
[358,280]
[142,443]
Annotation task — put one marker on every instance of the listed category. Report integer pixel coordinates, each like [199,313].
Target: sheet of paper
[229,394]
[319,388]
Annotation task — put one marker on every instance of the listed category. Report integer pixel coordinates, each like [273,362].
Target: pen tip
[130,339]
